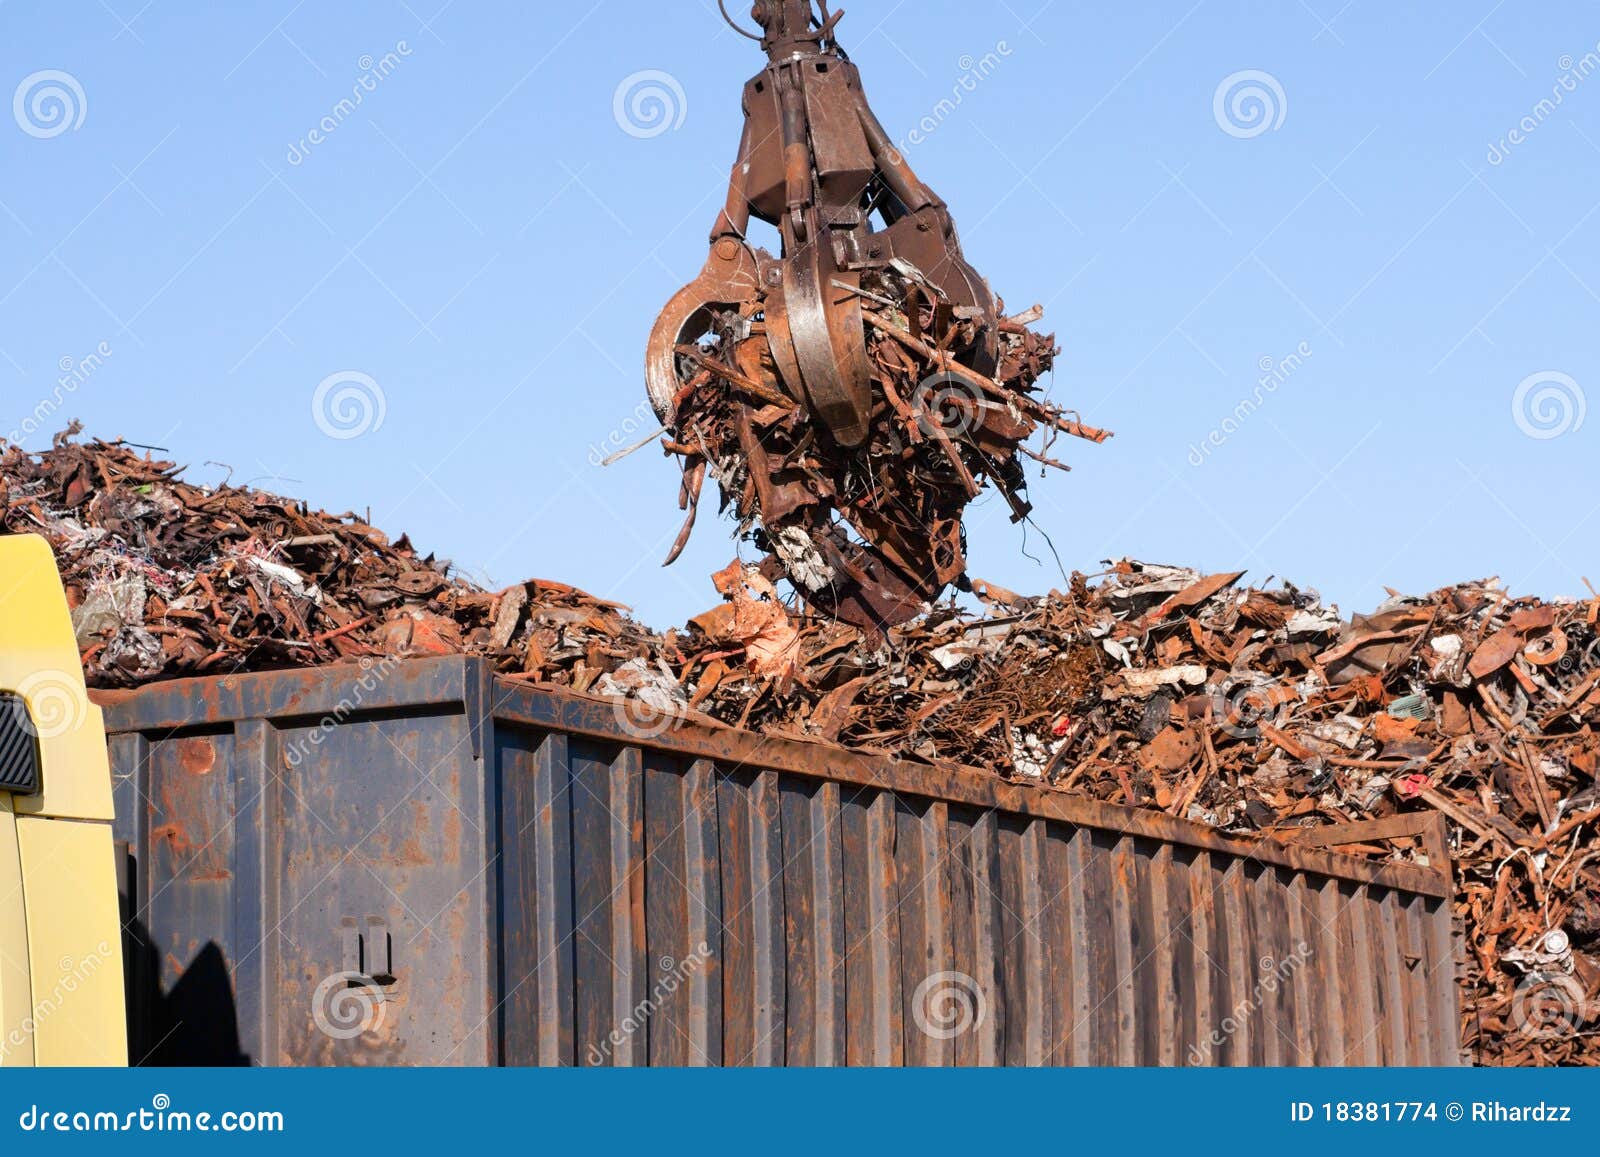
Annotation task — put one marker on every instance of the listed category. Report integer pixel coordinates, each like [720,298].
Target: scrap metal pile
[167,579]
[1254,711]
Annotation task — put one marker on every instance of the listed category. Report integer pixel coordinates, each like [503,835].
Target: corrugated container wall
[415,863]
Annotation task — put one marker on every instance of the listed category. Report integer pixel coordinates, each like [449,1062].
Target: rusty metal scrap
[853,394]
[1259,713]
[870,534]
[168,579]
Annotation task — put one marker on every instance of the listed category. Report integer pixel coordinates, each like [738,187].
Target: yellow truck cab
[61,986]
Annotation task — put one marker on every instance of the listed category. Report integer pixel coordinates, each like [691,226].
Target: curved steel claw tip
[729,279]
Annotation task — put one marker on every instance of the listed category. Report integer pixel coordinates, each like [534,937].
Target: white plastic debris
[975,644]
[1145,683]
[109,606]
[1030,755]
[288,576]
[1312,624]
[802,559]
[1342,730]
[653,686]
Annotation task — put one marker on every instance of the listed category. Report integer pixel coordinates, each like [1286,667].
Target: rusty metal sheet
[922,852]
[1167,919]
[1149,938]
[608,944]
[872,931]
[1222,1047]
[1022,1005]
[551,888]
[1365,998]
[1103,967]
[1444,1016]
[1326,975]
[814,923]
[979,935]
[1027,852]
[1303,950]
[751,861]
[1060,979]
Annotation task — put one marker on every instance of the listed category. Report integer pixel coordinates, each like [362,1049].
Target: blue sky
[483,243]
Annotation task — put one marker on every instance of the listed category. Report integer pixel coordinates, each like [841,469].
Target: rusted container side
[417,864]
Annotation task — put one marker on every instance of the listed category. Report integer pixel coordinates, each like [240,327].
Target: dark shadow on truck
[197,1023]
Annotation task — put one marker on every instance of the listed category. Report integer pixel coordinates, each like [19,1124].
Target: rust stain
[197,755]
[452,837]
[411,854]
[174,835]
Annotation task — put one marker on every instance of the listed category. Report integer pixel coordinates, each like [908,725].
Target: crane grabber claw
[815,162]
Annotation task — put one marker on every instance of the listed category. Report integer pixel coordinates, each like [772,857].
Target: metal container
[417,863]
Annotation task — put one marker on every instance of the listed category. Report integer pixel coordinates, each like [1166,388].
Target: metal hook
[749,35]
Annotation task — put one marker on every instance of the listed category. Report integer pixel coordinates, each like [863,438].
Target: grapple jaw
[729,280]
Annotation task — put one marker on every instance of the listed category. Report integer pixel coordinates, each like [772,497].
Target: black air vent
[19,747]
